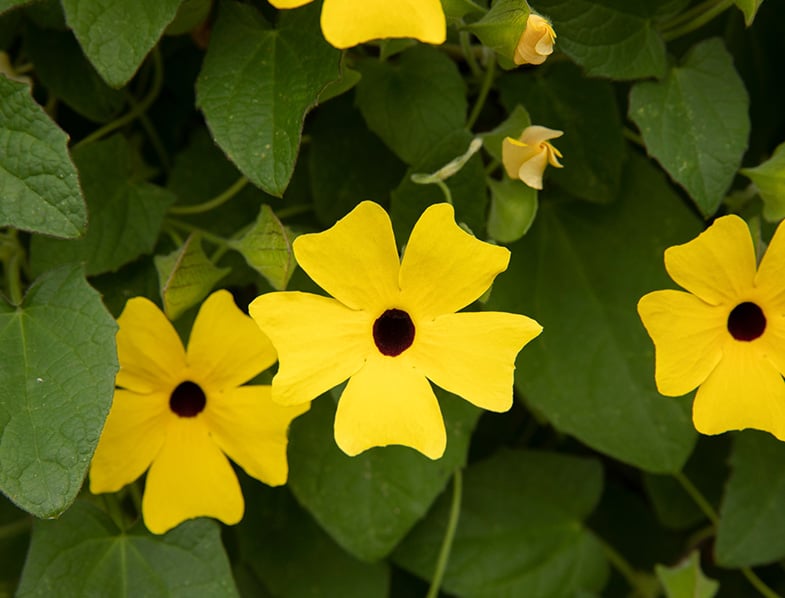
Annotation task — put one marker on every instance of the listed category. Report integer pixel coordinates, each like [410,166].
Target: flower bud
[527,157]
[536,41]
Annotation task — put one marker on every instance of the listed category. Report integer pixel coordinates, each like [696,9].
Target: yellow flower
[346,23]
[536,42]
[726,335]
[527,157]
[391,327]
[180,412]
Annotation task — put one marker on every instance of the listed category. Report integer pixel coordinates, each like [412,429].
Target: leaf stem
[293,211]
[152,134]
[190,228]
[468,53]
[16,528]
[633,136]
[213,203]
[136,109]
[698,21]
[485,88]
[708,510]
[13,255]
[635,579]
[449,535]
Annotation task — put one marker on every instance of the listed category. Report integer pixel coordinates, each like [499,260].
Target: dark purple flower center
[746,322]
[187,400]
[393,332]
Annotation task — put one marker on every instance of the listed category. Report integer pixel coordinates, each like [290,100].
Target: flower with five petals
[391,327]
[180,412]
[726,334]
[346,23]
[527,157]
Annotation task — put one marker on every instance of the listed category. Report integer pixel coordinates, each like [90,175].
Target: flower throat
[393,332]
[746,321]
[188,399]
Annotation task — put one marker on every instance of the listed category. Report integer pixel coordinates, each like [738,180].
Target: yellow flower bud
[536,42]
[527,157]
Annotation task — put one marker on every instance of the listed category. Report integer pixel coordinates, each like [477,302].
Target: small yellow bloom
[527,157]
[179,413]
[536,42]
[392,326]
[346,23]
[726,335]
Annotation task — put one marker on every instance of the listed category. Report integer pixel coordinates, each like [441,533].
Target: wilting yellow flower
[726,335]
[527,157]
[179,413]
[536,42]
[346,23]
[391,327]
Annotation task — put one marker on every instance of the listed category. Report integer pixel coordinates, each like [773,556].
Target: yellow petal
[389,402]
[531,170]
[346,23]
[719,265]
[770,278]
[190,478]
[534,135]
[320,342]
[150,352]
[355,261]
[252,430]
[226,347]
[444,268]
[515,153]
[289,3]
[132,436]
[473,354]
[688,336]
[744,391]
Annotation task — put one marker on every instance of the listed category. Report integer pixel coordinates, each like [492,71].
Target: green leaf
[519,533]
[752,523]
[347,163]
[84,554]
[258,83]
[457,9]
[469,193]
[56,385]
[190,15]
[586,110]
[769,177]
[501,27]
[9,4]
[414,102]
[295,558]
[62,68]
[125,213]
[513,208]
[695,122]
[369,502]
[579,272]
[686,580]
[186,276]
[267,247]
[608,38]
[38,182]
[749,8]
[116,35]
[513,126]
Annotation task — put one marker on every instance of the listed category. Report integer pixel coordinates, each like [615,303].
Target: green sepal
[501,27]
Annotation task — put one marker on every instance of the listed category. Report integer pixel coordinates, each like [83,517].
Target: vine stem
[136,109]
[698,21]
[485,88]
[708,510]
[449,535]
[468,53]
[190,228]
[213,203]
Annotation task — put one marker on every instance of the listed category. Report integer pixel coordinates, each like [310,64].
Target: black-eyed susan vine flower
[536,42]
[527,157]
[181,412]
[391,327]
[346,23]
[726,333]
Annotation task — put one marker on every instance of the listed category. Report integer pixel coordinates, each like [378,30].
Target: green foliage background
[171,147]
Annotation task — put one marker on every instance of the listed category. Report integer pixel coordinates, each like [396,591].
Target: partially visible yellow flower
[179,413]
[346,23]
[536,42]
[726,335]
[392,327]
[527,157]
